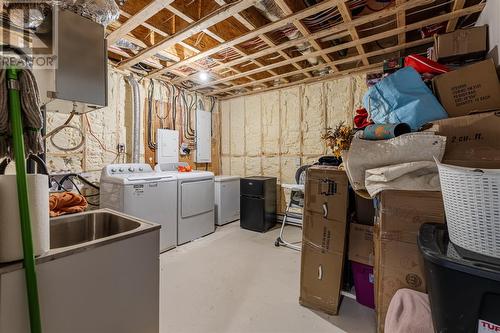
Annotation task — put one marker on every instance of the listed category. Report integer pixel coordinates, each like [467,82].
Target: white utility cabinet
[227,199]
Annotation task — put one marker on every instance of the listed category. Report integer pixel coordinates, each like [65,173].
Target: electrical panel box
[167,150]
[203,136]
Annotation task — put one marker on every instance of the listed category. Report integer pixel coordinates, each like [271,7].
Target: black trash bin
[464,294]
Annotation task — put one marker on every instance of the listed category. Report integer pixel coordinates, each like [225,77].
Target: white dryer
[195,203]
[135,189]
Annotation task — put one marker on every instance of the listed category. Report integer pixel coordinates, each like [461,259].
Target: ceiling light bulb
[203,76]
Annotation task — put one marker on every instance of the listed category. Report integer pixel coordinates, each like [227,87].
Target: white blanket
[413,176]
[366,154]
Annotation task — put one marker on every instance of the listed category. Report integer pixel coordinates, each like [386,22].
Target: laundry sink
[75,229]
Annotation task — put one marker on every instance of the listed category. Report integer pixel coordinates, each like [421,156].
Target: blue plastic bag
[403,98]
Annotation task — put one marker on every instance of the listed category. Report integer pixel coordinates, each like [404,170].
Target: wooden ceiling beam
[452,24]
[401,21]
[382,35]
[161,33]
[214,36]
[347,17]
[336,75]
[302,28]
[376,37]
[255,33]
[219,15]
[339,62]
[282,54]
[140,43]
[251,27]
[298,16]
[133,22]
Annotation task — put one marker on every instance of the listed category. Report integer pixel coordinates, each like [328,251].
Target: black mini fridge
[258,203]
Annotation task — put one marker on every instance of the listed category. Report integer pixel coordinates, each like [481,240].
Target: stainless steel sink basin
[81,228]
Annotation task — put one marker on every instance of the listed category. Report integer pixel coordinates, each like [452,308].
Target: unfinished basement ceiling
[246,46]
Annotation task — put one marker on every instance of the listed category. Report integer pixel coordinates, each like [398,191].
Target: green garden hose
[22,193]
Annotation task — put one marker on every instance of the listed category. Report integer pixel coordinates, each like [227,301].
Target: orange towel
[66,202]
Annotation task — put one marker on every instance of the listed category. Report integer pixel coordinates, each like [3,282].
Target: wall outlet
[120,148]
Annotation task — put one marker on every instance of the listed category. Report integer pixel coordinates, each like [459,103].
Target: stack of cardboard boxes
[470,95]
[398,262]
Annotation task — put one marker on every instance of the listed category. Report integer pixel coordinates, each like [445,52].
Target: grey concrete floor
[236,280]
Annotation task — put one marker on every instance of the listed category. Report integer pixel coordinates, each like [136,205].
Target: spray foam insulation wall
[110,127]
[274,133]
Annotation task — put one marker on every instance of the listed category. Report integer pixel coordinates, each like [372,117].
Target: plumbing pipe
[136,132]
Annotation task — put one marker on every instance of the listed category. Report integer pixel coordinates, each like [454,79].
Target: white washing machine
[227,199]
[135,189]
[195,203]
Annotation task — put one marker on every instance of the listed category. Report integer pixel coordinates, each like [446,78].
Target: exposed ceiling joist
[175,58]
[401,21]
[255,33]
[347,17]
[214,18]
[136,20]
[161,33]
[266,40]
[301,27]
[336,75]
[354,43]
[213,35]
[246,67]
[338,29]
[458,4]
[382,35]
[341,61]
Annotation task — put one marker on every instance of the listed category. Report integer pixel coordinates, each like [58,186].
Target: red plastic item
[363,284]
[361,119]
[424,65]
[433,29]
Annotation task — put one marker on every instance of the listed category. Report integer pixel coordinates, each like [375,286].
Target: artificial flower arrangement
[339,138]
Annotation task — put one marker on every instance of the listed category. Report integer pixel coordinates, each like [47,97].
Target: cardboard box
[469,89]
[320,279]
[472,141]
[327,192]
[398,262]
[462,45]
[361,244]
[323,239]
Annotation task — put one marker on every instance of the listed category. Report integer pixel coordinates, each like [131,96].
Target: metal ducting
[136,108]
[272,12]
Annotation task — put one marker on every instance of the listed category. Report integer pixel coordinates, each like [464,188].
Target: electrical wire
[91,132]
[408,14]
[83,195]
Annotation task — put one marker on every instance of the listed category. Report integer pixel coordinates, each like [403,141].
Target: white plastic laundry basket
[472,206]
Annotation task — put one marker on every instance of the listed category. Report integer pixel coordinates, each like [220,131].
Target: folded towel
[66,202]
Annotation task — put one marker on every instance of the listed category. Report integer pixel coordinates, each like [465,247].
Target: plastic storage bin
[363,284]
[472,206]
[464,294]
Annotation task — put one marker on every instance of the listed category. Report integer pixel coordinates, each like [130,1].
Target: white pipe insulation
[136,109]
